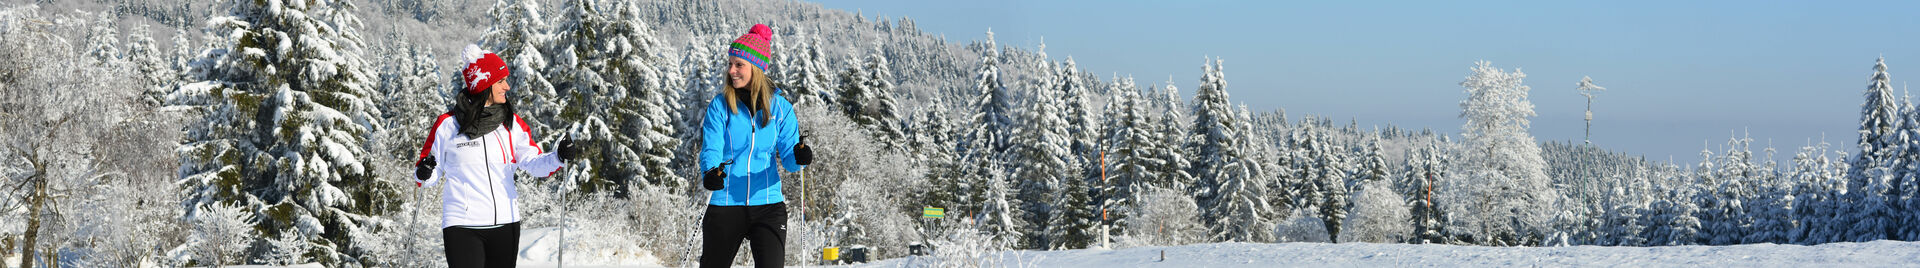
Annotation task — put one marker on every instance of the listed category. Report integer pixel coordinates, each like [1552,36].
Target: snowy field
[536,251]
[1871,254]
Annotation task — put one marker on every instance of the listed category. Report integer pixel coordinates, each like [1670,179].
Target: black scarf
[477,119]
[751,103]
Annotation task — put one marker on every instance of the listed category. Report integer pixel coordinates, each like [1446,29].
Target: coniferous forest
[193,133]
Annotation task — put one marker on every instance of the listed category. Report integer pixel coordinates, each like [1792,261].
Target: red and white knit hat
[483,69]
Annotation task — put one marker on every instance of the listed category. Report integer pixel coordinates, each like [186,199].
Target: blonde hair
[759,90]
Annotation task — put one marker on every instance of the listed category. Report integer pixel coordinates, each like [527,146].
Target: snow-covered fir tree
[1822,187]
[146,56]
[1041,159]
[519,34]
[609,67]
[866,95]
[285,107]
[1128,149]
[1325,170]
[1173,141]
[807,78]
[1426,167]
[1873,179]
[990,129]
[1074,218]
[1232,199]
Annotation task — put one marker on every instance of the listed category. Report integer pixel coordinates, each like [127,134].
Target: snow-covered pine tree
[1871,180]
[1083,123]
[1426,166]
[1384,220]
[1129,139]
[1731,179]
[609,67]
[1325,170]
[178,61]
[155,72]
[1173,141]
[410,93]
[933,141]
[1673,220]
[1232,200]
[519,35]
[1075,218]
[1907,190]
[812,79]
[285,107]
[866,95]
[988,134]
[1502,197]
[103,38]
[1772,205]
[1040,158]
[1624,225]
[1269,138]
[1822,187]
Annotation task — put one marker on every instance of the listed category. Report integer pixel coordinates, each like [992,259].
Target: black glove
[568,151]
[802,154]
[423,170]
[717,177]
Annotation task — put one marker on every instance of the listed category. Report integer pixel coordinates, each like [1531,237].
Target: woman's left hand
[801,153]
[568,151]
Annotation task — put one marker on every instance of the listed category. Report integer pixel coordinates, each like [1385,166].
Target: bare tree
[55,112]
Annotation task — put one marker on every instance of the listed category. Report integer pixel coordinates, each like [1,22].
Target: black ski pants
[482,248]
[763,226]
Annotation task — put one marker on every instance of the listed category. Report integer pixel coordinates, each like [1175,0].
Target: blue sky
[1680,75]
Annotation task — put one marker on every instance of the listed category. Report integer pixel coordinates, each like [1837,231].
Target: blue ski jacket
[738,136]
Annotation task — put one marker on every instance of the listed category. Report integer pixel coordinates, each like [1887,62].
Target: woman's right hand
[716,178]
[423,171]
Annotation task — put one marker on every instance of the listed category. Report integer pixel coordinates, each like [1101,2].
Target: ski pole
[414,223]
[565,221]
[806,235]
[698,217]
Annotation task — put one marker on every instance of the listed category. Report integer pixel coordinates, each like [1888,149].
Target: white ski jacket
[480,172]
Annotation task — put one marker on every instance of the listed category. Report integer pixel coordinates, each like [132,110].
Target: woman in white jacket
[482,147]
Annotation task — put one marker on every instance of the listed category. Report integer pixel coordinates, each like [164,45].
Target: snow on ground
[1869,254]
[539,247]
[537,251]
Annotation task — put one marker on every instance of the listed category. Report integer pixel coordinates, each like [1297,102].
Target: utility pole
[1589,89]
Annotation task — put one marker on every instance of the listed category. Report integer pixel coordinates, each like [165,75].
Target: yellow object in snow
[933,212]
[830,253]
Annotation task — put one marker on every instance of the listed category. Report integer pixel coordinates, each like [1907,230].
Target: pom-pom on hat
[756,46]
[483,69]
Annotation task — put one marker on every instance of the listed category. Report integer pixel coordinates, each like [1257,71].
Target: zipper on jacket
[753,140]
[492,200]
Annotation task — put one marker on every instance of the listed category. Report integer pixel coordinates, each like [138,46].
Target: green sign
[933,212]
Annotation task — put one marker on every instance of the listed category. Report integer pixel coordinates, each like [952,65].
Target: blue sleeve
[713,135]
[789,136]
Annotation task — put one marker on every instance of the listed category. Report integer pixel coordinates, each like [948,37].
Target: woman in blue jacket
[748,128]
